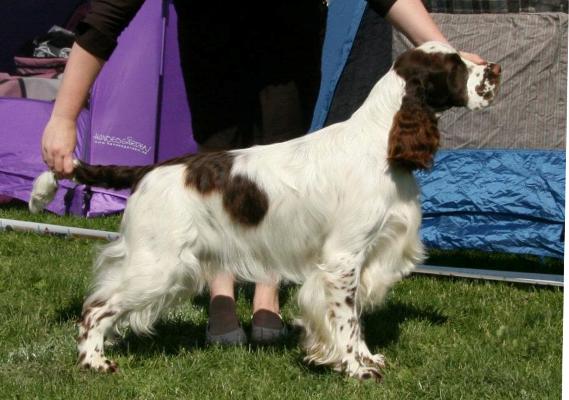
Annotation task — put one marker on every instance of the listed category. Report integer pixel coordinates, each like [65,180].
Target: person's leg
[266,298]
[267,325]
[223,324]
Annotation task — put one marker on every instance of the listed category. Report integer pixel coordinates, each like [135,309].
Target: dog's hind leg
[136,290]
[331,318]
[97,321]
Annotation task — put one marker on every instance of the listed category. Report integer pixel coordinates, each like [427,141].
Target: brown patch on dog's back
[244,201]
[207,172]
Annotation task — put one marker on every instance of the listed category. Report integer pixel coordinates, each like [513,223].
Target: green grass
[443,338]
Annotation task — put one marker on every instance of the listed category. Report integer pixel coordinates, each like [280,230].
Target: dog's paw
[374,360]
[370,369]
[97,363]
[113,340]
[367,373]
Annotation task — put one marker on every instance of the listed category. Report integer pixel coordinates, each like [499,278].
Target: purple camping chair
[138,115]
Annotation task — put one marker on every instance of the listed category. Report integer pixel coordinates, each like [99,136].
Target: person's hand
[475,58]
[57,145]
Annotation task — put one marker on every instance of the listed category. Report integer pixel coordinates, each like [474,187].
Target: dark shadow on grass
[383,327]
[70,312]
[170,338]
[174,336]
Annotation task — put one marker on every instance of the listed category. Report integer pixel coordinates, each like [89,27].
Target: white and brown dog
[336,211]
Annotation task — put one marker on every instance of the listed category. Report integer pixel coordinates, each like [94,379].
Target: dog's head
[436,79]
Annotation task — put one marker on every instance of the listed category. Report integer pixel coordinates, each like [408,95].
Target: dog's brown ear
[414,135]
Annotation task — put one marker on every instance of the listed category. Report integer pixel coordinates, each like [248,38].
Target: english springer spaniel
[336,211]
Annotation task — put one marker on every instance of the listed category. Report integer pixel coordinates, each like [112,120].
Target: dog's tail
[106,176]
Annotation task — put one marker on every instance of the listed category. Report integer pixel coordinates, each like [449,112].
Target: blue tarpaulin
[495,200]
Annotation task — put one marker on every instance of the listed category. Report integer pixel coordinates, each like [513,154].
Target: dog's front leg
[331,319]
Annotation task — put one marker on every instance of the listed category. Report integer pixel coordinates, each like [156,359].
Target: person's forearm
[412,19]
[80,73]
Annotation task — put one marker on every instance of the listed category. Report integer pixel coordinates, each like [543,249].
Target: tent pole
[57,230]
[492,275]
[484,274]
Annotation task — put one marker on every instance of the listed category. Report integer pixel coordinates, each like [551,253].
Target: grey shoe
[236,337]
[262,335]
[267,328]
[223,327]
